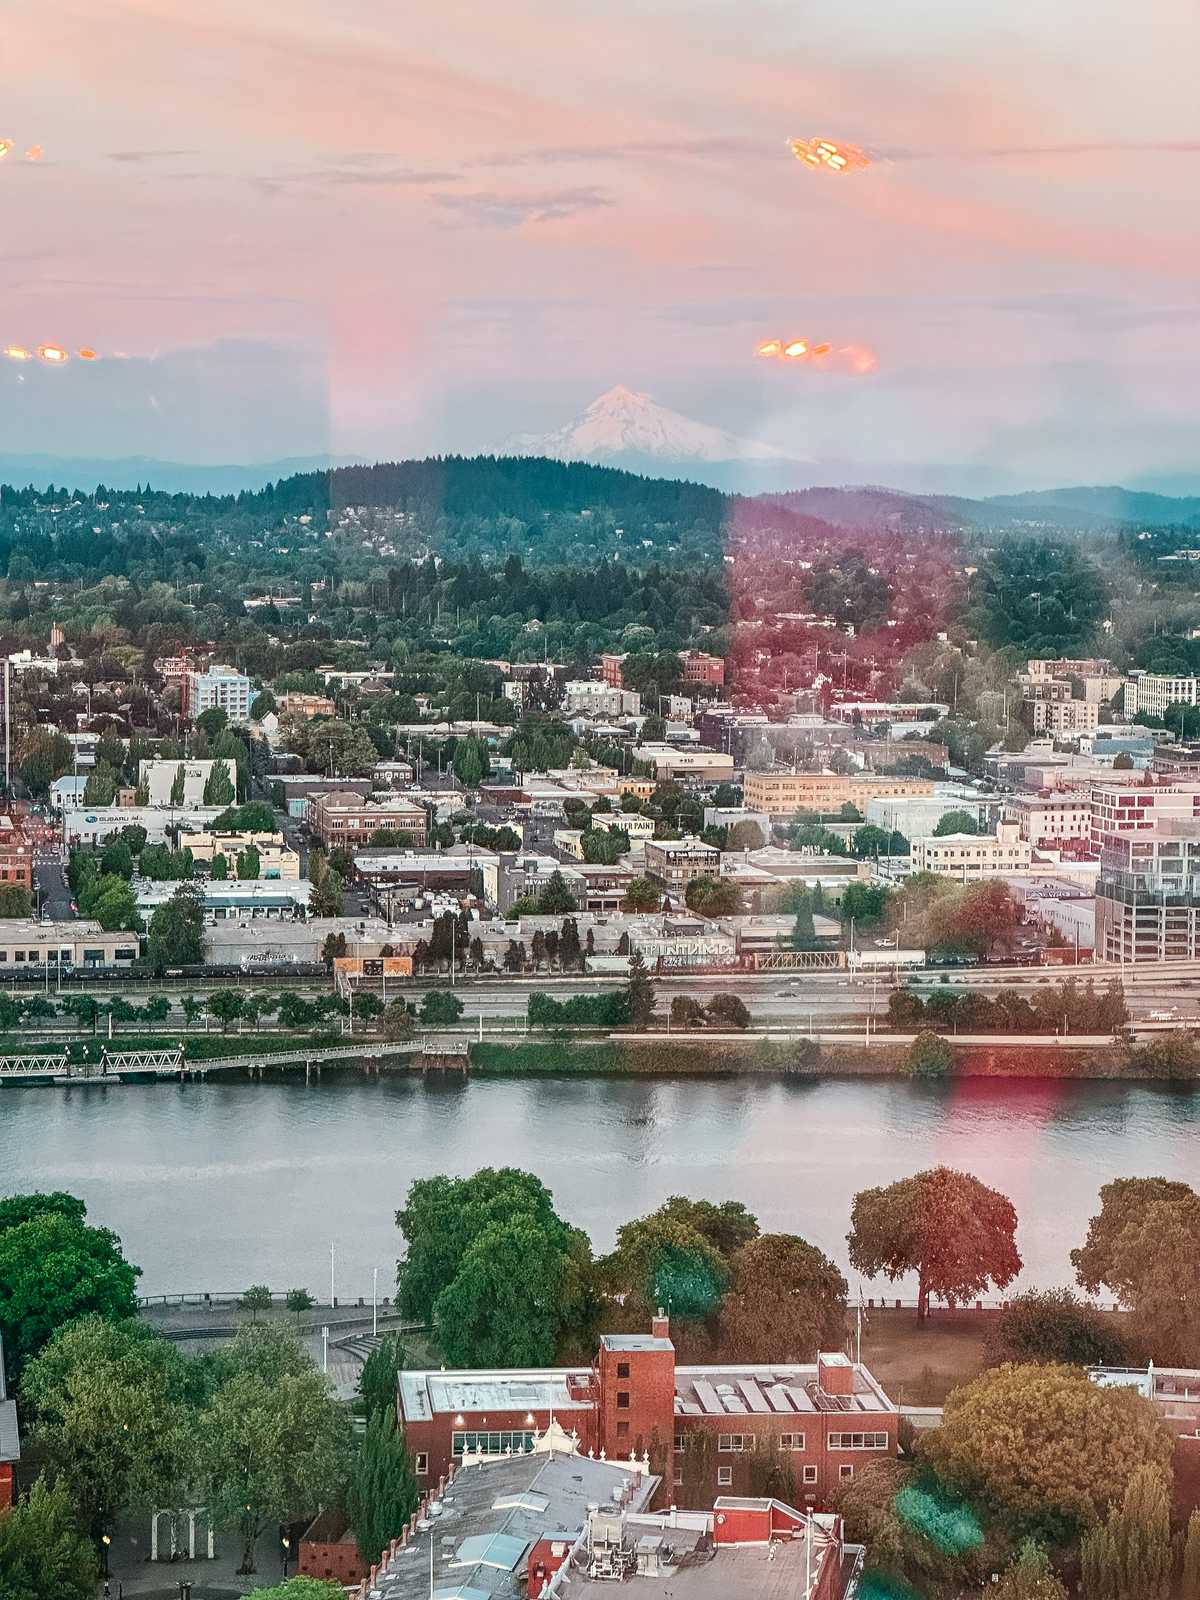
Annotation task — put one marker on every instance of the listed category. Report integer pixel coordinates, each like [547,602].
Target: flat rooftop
[778,1390]
[424,1395]
[741,1572]
[492,1514]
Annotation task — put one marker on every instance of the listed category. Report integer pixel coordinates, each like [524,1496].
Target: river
[214,1186]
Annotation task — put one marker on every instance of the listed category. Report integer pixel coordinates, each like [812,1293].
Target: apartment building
[969,855]
[1062,716]
[1051,821]
[1137,808]
[600,699]
[783,794]
[221,687]
[1155,693]
[697,668]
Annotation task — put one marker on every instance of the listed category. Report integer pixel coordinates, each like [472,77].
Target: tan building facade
[783,794]
[969,855]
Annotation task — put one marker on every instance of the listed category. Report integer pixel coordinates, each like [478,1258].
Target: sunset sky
[389,226]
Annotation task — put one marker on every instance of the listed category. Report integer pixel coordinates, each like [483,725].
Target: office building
[220,687]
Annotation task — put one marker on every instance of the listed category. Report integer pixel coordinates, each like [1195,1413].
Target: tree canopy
[786,1300]
[957,1235]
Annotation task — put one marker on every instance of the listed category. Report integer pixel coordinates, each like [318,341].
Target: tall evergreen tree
[177,785]
[1190,1577]
[639,995]
[1129,1557]
[382,1493]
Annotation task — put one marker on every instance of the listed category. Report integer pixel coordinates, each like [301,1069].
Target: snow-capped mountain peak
[623,422]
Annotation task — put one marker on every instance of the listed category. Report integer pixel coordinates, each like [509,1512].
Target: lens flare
[52,354]
[34,153]
[18,352]
[852,358]
[5,146]
[87,354]
[833,157]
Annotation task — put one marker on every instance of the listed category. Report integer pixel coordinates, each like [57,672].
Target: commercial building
[686,766]
[1154,694]
[219,687]
[676,862]
[970,855]
[161,783]
[916,815]
[275,860]
[233,899]
[1137,808]
[95,825]
[233,942]
[1175,761]
[783,794]
[343,820]
[300,787]
[16,853]
[697,668]
[1148,894]
[829,1417]
[59,946]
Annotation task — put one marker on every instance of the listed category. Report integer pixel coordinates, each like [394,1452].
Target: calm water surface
[213,1186]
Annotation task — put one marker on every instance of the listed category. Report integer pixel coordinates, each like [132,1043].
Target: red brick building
[16,853]
[610,670]
[698,668]
[10,1441]
[343,820]
[830,1416]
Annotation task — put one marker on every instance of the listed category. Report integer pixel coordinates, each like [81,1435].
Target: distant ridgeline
[536,507]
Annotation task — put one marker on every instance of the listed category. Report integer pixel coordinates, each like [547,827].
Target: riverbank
[674,1056]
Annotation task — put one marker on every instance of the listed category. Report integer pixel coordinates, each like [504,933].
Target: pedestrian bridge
[59,1068]
[139,1066]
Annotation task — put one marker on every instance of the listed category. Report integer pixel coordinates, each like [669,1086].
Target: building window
[791,1441]
[810,1475]
[422,1463]
[845,1471]
[622,1399]
[680,1442]
[622,1430]
[622,1369]
[678,1479]
[724,1477]
[735,1442]
[493,1444]
[858,1441]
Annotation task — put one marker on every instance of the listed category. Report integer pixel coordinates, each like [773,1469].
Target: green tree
[398,1025]
[301,1588]
[929,1056]
[14,901]
[556,899]
[1045,1447]
[641,895]
[273,1440]
[113,1418]
[728,1011]
[382,1493]
[1030,1577]
[444,1221]
[955,822]
[249,863]
[43,1556]
[380,1376]
[219,869]
[1054,1325]
[218,786]
[19,1208]
[440,1008]
[955,1233]
[176,933]
[326,899]
[179,785]
[101,786]
[1130,1557]
[256,1298]
[1190,1573]
[804,934]
[213,722]
[714,897]
[784,1296]
[44,756]
[639,993]
[117,859]
[298,1300]
[1145,1246]
[663,1260]
[53,1270]
[262,705]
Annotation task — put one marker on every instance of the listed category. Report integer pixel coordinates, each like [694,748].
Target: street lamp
[105,1541]
[285,1547]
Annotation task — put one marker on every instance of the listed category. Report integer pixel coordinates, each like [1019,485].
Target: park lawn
[918,1364]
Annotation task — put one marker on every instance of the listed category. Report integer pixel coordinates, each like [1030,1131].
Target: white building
[601,699]
[969,855]
[97,824]
[1154,694]
[220,687]
[158,778]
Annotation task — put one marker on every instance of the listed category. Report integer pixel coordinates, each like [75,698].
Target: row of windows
[858,1441]
[808,1476]
[493,1444]
[737,1443]
[96,958]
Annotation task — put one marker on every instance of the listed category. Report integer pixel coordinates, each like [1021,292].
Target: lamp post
[105,1541]
[285,1550]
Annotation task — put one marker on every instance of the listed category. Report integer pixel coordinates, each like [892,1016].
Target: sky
[387,227]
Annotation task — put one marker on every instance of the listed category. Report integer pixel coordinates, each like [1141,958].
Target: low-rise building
[234,942]
[93,825]
[1052,821]
[698,668]
[343,820]
[305,706]
[275,859]
[61,946]
[830,1416]
[693,765]
[783,794]
[162,785]
[232,899]
[16,853]
[300,787]
[676,862]
[600,699]
[1155,693]
[971,855]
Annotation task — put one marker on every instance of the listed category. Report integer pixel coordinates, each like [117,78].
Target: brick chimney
[835,1372]
[660,1325]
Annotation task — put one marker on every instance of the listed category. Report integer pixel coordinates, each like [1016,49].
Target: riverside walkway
[141,1066]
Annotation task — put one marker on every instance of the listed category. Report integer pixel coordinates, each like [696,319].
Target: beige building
[275,860]
[969,855]
[295,704]
[783,794]
[25,943]
[694,764]
[676,862]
